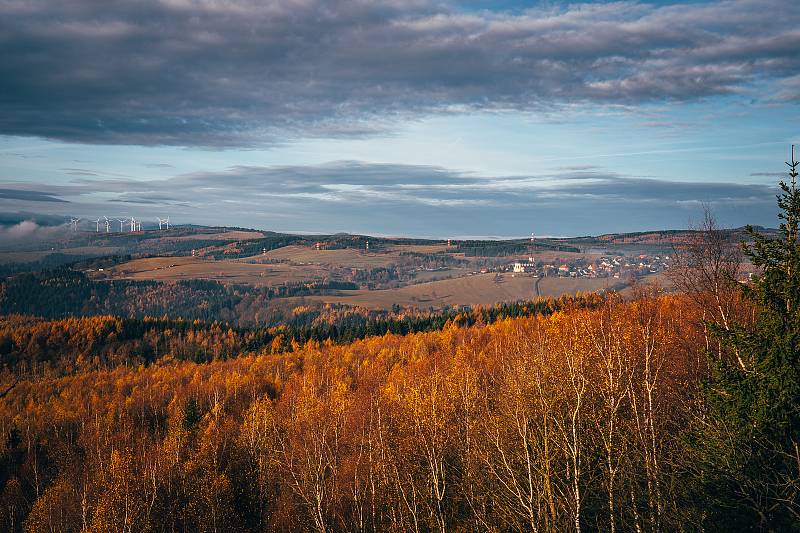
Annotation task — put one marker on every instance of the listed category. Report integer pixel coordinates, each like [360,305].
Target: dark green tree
[191,414]
[746,447]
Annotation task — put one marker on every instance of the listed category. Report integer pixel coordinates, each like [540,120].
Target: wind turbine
[122,222]
[108,225]
[74,221]
[163,222]
[97,225]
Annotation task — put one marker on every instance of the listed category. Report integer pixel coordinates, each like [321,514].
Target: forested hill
[66,292]
[36,346]
[471,424]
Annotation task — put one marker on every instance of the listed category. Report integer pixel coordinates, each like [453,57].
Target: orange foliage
[557,422]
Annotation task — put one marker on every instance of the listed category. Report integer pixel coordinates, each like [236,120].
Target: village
[619,266]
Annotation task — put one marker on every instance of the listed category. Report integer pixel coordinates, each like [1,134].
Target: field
[453,286]
[415,273]
[435,275]
[457,288]
[183,268]
[483,289]
[348,257]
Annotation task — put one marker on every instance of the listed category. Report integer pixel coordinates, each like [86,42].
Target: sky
[413,118]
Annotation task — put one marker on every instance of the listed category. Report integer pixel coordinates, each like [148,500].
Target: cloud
[419,200]
[28,195]
[28,232]
[579,167]
[12,218]
[788,90]
[79,172]
[246,72]
[768,174]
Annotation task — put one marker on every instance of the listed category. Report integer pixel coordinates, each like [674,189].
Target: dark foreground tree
[746,446]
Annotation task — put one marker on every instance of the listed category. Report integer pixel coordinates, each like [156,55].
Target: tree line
[65,292]
[548,423]
[31,346]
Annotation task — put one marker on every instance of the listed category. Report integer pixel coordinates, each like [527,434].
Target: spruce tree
[191,414]
[747,445]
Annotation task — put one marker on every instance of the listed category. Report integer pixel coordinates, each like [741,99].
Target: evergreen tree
[191,414]
[747,446]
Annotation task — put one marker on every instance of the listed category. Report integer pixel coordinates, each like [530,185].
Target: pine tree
[191,414]
[747,446]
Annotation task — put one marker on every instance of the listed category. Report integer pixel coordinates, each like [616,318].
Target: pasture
[234,272]
[347,258]
[480,289]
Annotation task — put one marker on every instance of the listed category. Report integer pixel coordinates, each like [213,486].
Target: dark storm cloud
[246,72]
